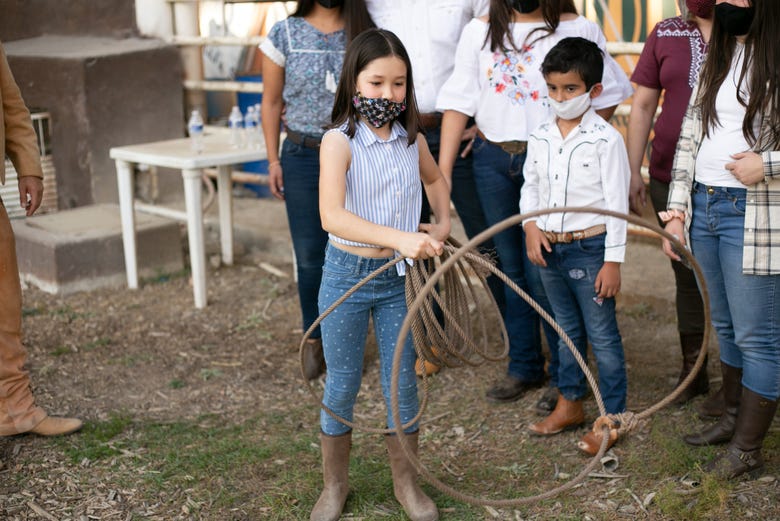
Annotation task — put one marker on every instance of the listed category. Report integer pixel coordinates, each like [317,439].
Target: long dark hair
[759,75]
[368,46]
[501,15]
[355,13]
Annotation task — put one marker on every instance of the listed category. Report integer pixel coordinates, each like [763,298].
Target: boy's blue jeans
[745,309]
[569,280]
[499,177]
[344,334]
[301,173]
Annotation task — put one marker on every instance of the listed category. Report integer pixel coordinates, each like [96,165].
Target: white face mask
[571,109]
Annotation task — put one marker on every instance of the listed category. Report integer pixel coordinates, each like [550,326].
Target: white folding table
[178,154]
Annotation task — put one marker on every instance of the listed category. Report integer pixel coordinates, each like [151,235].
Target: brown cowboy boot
[690,343]
[335,476]
[417,505]
[567,415]
[743,455]
[713,406]
[723,430]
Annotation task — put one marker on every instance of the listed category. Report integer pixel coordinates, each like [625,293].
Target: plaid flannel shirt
[761,250]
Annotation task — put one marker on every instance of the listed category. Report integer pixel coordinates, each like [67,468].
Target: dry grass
[201,415]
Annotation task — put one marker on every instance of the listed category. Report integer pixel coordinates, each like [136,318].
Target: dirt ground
[150,355]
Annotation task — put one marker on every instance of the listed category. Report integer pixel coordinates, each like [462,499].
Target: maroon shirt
[670,61]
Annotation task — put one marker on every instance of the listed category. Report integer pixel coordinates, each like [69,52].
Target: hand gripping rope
[454,346]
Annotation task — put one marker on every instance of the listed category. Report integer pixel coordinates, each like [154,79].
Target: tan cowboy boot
[335,476]
[417,505]
[567,415]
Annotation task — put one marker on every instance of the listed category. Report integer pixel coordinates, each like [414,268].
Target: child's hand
[608,280]
[534,242]
[439,231]
[420,246]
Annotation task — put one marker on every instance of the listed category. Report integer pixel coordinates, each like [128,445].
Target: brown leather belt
[430,119]
[567,237]
[510,147]
[303,139]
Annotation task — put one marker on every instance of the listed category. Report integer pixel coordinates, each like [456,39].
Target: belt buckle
[566,237]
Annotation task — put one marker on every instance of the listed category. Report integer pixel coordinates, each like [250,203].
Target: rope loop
[450,289]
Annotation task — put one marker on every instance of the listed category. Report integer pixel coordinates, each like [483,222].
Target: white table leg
[225,194]
[192,196]
[124,177]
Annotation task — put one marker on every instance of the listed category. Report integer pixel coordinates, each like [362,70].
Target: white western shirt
[587,168]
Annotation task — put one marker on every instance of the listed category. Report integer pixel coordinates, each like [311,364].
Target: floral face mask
[378,111]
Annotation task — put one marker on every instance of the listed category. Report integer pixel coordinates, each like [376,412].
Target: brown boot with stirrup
[743,455]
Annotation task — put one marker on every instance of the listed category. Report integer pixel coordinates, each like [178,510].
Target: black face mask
[735,20]
[525,6]
[327,4]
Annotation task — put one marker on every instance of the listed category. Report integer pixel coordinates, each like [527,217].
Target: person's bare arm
[437,191]
[271,110]
[453,124]
[640,121]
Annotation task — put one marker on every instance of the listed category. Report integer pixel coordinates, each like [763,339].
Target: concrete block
[81,249]
[28,18]
[100,92]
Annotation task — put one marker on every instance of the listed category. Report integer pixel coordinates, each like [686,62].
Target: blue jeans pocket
[739,205]
[333,270]
[592,245]
[479,144]
[291,149]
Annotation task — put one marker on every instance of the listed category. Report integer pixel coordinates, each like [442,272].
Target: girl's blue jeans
[301,175]
[344,334]
[745,309]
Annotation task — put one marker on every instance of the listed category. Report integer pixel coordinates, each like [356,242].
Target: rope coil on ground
[419,309]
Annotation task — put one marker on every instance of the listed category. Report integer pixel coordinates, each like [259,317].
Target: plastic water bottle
[260,136]
[195,129]
[236,124]
[251,124]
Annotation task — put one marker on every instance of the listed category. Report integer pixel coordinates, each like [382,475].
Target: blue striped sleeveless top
[383,182]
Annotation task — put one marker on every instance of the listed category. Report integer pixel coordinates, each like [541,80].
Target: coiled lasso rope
[623,423]
[452,345]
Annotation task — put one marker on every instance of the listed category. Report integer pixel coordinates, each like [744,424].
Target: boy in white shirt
[578,159]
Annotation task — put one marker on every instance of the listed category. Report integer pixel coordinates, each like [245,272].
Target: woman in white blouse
[498,82]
